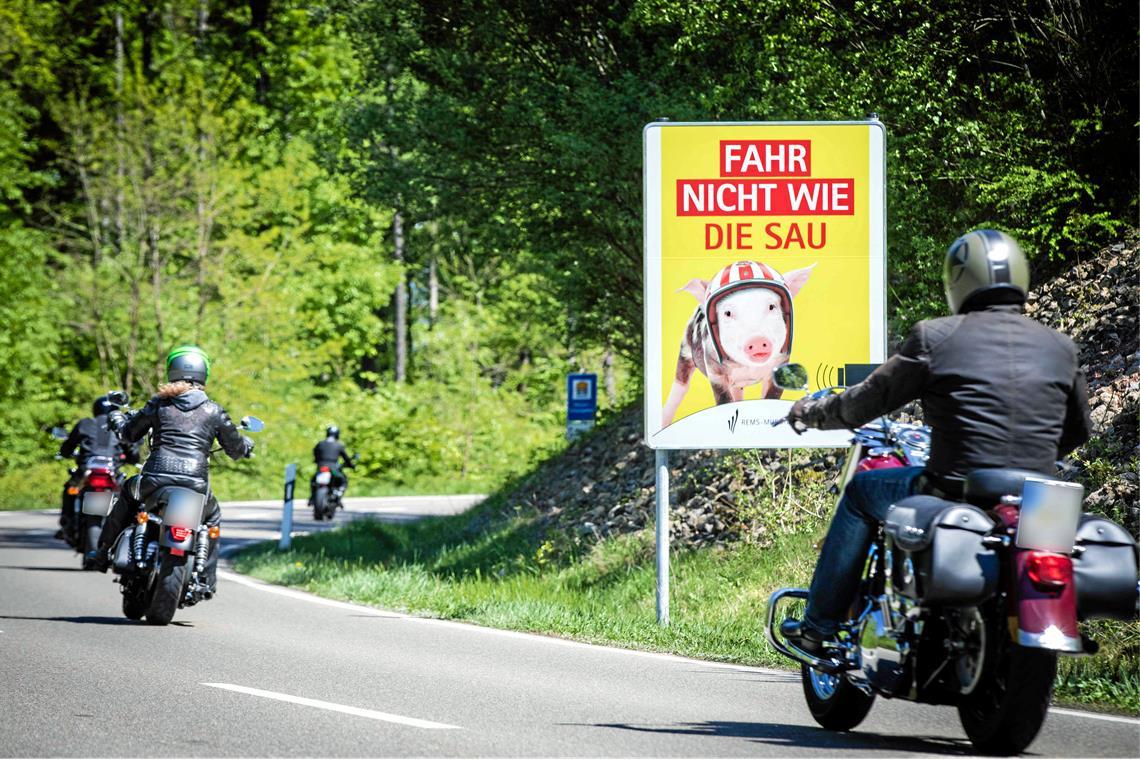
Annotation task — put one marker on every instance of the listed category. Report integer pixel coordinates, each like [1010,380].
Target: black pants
[127,506]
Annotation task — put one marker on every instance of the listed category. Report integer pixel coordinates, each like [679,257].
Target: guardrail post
[287,507]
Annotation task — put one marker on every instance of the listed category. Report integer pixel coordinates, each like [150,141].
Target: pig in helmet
[740,331]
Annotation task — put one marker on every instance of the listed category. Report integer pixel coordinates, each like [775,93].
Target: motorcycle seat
[910,522]
[986,487]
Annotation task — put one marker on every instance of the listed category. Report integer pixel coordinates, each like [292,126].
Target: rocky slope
[604,484]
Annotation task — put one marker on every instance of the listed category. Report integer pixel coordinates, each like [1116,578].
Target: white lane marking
[321,705]
[1095,716]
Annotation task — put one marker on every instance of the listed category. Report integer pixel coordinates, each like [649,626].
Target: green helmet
[984,262]
[187,363]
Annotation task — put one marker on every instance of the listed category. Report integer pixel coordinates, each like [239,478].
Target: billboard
[764,243]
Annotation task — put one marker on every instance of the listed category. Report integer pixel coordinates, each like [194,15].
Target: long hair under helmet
[738,276]
[188,363]
[984,267]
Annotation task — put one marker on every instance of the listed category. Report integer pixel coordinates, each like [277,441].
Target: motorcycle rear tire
[90,537]
[842,709]
[1004,713]
[169,586]
[321,502]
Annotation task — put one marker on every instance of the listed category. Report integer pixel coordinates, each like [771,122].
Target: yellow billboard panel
[764,244]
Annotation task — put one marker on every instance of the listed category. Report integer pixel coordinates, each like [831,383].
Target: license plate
[1050,511]
[324,478]
[97,503]
[184,508]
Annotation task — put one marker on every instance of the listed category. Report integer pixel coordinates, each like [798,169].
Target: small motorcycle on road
[328,490]
[90,494]
[965,603]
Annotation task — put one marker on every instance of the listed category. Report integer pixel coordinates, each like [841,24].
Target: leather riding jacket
[183,429]
[997,388]
[329,452]
[91,438]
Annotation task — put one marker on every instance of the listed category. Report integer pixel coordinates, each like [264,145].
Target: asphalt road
[266,671]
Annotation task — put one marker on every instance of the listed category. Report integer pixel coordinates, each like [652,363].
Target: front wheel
[1007,708]
[134,605]
[169,585]
[834,702]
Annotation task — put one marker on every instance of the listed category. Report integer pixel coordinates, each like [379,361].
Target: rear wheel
[1008,706]
[834,702]
[90,537]
[169,585]
[321,502]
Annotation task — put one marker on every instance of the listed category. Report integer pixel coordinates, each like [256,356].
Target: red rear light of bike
[1048,571]
[100,480]
[324,469]
[179,534]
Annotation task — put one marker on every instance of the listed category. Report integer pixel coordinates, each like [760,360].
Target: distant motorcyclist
[998,390]
[89,438]
[331,453]
[183,424]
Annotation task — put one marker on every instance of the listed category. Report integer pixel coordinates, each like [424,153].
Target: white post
[287,507]
[662,537]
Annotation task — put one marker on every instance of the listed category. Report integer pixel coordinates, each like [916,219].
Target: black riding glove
[804,414]
[248,445]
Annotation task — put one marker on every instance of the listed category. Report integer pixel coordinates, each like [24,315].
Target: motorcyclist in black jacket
[330,453]
[183,424]
[89,438]
[997,388]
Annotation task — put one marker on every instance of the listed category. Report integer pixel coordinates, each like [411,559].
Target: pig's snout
[758,348]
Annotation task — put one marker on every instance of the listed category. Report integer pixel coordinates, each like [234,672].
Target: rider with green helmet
[183,424]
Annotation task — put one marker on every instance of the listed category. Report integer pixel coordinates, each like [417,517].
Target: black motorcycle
[161,560]
[89,495]
[328,490]
[966,602]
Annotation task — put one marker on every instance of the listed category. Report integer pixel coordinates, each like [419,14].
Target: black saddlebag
[937,554]
[1104,564]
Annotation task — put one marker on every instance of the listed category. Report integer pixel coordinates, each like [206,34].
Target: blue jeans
[839,569]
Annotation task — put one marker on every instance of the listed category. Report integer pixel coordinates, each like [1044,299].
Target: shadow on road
[92,620]
[781,735]
[31,539]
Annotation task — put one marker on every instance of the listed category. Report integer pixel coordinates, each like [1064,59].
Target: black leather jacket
[997,389]
[329,452]
[183,429]
[92,438]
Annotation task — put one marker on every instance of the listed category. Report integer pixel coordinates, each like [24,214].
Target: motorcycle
[326,496]
[161,560]
[965,602]
[90,496]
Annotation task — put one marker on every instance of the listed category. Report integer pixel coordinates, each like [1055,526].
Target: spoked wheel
[1009,701]
[834,702]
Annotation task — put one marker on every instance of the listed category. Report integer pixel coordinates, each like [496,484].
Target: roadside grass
[503,575]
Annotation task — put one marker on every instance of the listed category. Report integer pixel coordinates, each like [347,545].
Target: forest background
[411,219]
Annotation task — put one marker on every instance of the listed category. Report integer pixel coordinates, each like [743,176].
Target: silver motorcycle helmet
[984,267]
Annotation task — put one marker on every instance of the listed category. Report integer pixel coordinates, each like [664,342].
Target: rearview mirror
[790,377]
[252,424]
[59,433]
[118,398]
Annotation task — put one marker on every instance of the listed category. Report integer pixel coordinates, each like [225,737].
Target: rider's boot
[802,635]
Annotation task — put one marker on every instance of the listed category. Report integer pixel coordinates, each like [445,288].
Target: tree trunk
[400,300]
[433,292]
[608,374]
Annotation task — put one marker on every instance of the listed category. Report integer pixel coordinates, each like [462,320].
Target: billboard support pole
[662,464]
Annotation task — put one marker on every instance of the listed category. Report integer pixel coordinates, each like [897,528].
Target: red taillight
[179,534]
[1048,571]
[325,469]
[100,480]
